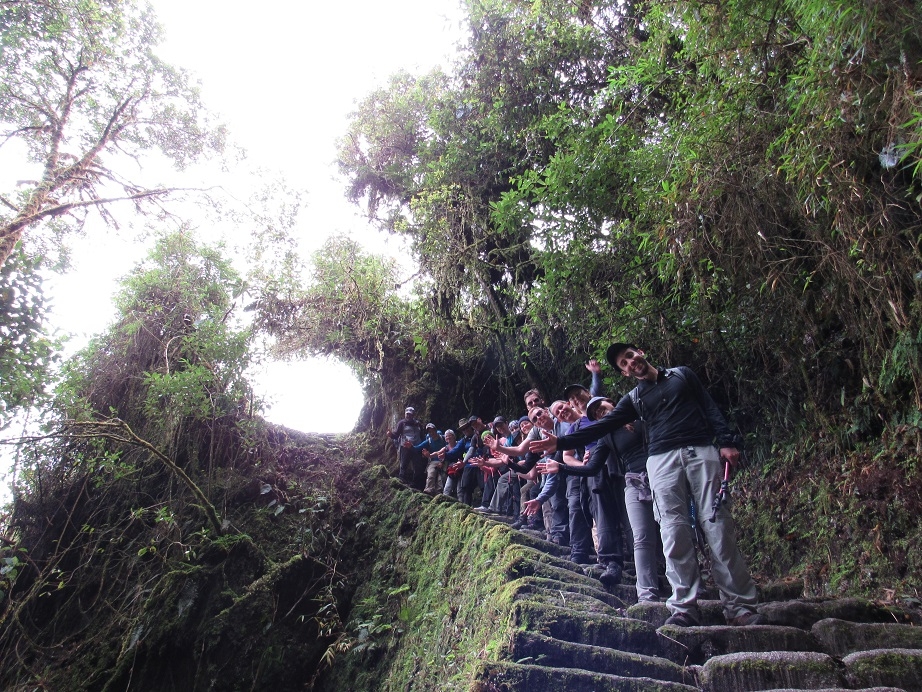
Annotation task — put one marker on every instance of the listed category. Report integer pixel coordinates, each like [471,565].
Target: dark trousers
[560,517]
[580,518]
[471,479]
[606,503]
[410,473]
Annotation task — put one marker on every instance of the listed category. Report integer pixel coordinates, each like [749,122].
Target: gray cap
[594,404]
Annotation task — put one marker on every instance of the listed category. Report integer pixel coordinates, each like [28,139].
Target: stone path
[571,633]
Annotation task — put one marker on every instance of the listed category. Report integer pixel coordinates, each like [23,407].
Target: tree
[81,85]
[434,156]
[26,352]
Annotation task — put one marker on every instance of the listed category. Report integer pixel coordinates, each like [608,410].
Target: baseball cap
[568,392]
[593,405]
[611,355]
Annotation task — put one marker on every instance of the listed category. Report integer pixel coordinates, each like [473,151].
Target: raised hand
[546,446]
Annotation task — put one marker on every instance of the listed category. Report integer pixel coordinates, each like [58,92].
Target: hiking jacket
[676,409]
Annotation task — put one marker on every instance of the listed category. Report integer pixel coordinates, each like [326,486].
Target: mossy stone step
[576,602]
[900,668]
[786,590]
[841,689]
[804,613]
[525,562]
[510,677]
[530,647]
[533,540]
[748,671]
[561,592]
[654,612]
[595,629]
[841,637]
[712,612]
[695,645]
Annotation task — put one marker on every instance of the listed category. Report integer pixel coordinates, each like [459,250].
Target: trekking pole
[723,493]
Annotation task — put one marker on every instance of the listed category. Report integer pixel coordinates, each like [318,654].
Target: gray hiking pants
[699,471]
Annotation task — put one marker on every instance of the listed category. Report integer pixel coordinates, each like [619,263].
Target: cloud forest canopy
[734,184]
[82,86]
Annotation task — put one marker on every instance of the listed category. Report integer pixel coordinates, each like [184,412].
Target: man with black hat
[406,436]
[688,443]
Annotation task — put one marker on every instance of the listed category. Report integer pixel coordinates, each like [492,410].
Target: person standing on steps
[594,495]
[623,455]
[688,443]
[435,467]
[407,434]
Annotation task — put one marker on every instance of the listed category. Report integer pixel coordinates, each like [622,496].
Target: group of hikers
[659,456]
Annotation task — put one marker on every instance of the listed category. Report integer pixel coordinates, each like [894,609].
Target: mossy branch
[119,431]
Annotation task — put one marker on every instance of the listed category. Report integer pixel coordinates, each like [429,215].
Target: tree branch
[119,431]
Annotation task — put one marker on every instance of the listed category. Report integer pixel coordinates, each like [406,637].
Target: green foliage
[81,83]
[27,353]
[350,308]
[733,185]
[176,351]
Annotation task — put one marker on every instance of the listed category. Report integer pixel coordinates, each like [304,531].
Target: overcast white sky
[283,76]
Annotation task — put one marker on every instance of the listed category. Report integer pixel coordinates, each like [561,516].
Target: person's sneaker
[681,620]
[747,619]
[612,574]
[481,509]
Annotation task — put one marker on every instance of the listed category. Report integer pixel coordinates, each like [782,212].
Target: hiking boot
[681,620]
[612,574]
[747,619]
[517,524]
[582,560]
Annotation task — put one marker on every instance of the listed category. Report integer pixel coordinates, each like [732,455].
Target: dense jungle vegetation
[735,186]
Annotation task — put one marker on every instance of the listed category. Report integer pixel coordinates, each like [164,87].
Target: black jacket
[676,409]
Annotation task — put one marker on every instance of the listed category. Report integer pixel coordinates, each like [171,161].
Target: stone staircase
[571,633]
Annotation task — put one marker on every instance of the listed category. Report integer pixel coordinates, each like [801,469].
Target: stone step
[561,592]
[510,677]
[841,637]
[534,540]
[749,671]
[594,629]
[786,590]
[654,612]
[695,645]
[576,602]
[804,613]
[530,647]
[712,612]
[840,689]
[524,562]
[900,668]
